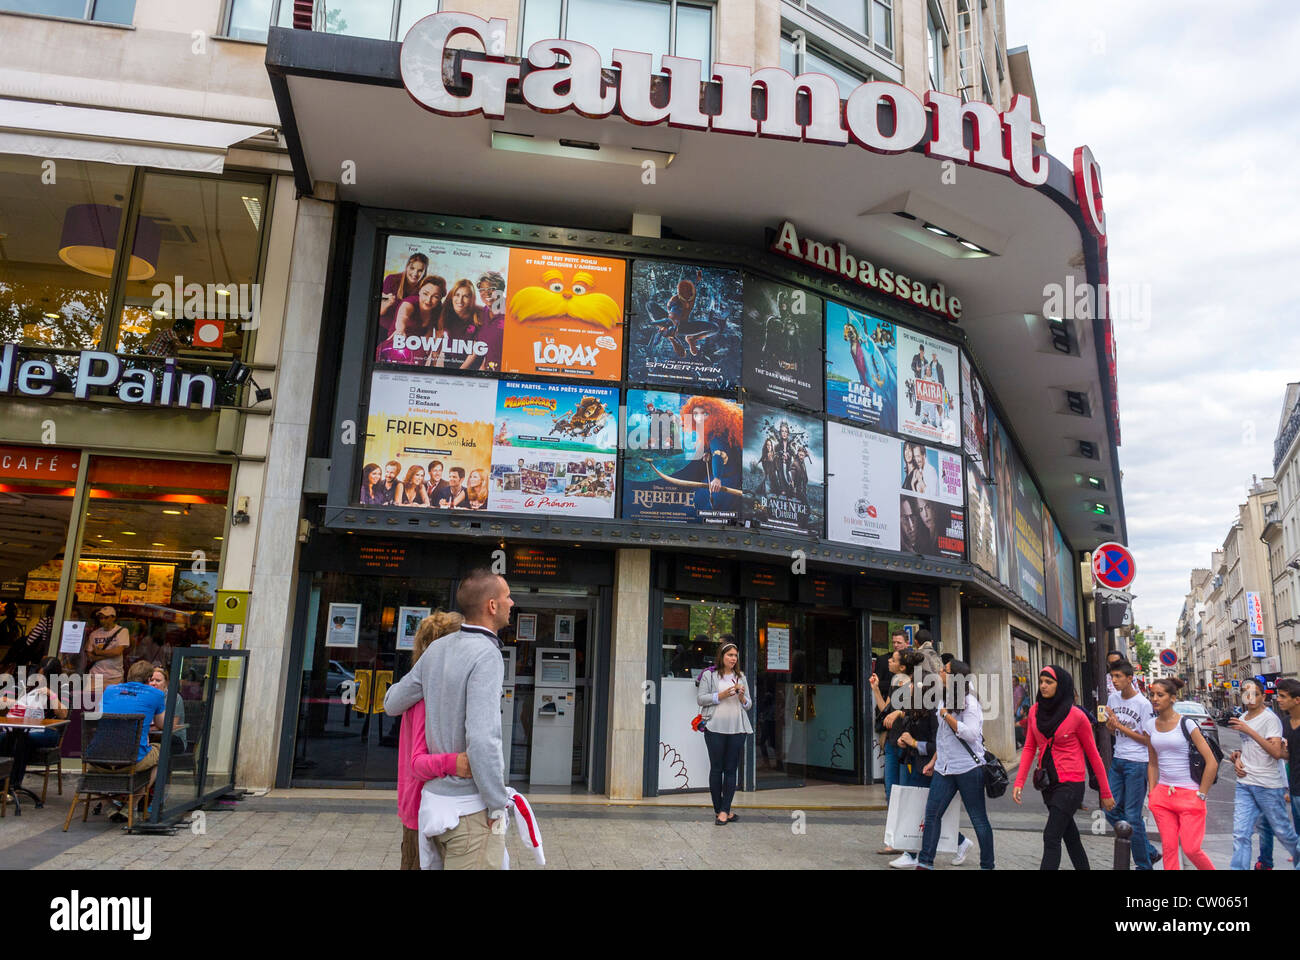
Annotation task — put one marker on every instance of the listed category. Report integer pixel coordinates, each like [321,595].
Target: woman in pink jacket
[415,764]
[1064,734]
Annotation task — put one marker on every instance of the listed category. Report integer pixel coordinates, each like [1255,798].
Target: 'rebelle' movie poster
[783,343]
[685,325]
[785,470]
[682,458]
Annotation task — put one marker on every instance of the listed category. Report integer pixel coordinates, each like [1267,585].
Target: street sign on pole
[1113,566]
[1257,648]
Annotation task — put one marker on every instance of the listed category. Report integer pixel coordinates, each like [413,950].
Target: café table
[24,726]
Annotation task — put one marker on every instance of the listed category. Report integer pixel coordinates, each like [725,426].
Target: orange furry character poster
[564,315]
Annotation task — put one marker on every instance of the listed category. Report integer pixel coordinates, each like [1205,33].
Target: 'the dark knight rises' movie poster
[783,344]
[685,326]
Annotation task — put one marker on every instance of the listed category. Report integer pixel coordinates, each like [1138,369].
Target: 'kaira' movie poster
[784,470]
[861,368]
[783,343]
[682,459]
[685,325]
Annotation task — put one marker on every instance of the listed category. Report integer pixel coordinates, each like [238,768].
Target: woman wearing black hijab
[1063,732]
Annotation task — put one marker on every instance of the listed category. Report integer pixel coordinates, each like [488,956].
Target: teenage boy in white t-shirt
[1261,791]
[1127,712]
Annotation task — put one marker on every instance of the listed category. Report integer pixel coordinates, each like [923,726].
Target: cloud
[1200,207]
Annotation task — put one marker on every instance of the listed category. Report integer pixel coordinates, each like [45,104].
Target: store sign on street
[564,75]
[97,369]
[1254,614]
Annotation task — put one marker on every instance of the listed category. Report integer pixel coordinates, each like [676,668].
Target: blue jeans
[1266,833]
[891,768]
[942,789]
[1252,803]
[1128,784]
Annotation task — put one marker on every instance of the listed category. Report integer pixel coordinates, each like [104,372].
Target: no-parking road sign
[1113,566]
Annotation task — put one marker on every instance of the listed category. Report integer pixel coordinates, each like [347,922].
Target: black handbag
[996,780]
[1045,777]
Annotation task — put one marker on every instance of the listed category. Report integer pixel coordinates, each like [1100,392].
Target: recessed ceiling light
[128,533]
[104,540]
[173,513]
[54,316]
[218,538]
[157,543]
[939,230]
[222,292]
[972,246]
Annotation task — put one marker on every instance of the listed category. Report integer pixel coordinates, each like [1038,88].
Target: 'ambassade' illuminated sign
[1003,141]
[837,259]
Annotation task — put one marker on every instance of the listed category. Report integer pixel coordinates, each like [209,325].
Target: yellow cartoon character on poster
[576,300]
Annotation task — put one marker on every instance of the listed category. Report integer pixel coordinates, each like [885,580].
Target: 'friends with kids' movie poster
[783,344]
[442,304]
[861,368]
[685,325]
[428,441]
[555,449]
[784,470]
[564,315]
[682,458]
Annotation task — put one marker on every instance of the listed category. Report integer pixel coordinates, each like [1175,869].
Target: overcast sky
[1193,112]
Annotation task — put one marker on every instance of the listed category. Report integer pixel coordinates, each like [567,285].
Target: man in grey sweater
[459,678]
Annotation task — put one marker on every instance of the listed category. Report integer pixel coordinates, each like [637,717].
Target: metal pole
[1123,831]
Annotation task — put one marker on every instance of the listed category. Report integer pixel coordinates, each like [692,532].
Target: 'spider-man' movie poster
[682,458]
[783,344]
[861,368]
[685,325]
[784,470]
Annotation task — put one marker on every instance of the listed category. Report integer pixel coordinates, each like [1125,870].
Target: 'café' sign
[1003,142]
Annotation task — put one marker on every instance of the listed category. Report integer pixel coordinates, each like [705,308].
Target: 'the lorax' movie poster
[564,315]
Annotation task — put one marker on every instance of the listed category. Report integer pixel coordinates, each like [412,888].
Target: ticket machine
[508,706]
[554,707]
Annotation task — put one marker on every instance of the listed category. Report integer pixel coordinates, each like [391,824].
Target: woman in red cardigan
[1064,733]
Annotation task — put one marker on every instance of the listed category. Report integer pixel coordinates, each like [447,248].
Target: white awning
[115,136]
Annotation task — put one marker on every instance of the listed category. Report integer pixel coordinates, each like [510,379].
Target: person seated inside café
[40,702]
[136,696]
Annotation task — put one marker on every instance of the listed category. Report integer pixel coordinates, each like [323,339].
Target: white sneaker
[962,849]
[906,862]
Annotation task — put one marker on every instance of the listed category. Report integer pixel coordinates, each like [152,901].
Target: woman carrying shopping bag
[724,701]
[1063,734]
[955,769]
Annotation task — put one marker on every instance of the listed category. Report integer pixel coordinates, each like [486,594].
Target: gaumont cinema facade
[688,349]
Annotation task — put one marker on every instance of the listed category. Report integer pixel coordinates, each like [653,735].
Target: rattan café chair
[113,748]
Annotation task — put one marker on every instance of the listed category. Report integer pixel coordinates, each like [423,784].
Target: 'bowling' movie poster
[783,344]
[685,325]
[861,368]
[784,470]
[682,458]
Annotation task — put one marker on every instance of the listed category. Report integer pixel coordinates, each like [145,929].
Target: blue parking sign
[1257,648]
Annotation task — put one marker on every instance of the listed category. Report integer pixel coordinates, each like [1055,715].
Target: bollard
[1123,830]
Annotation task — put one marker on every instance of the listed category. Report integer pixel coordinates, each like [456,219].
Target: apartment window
[377,19]
[869,20]
[102,11]
[802,58]
[655,27]
[934,49]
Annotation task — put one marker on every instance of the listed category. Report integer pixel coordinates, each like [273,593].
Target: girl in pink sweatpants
[1177,801]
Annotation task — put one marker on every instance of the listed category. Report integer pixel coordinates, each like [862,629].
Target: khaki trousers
[471,844]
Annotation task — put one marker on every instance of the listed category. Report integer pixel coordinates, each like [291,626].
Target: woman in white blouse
[725,702]
[957,767]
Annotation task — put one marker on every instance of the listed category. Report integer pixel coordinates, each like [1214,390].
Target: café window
[648,26]
[151,548]
[208,236]
[102,11]
[377,19]
[37,487]
[60,227]
[183,267]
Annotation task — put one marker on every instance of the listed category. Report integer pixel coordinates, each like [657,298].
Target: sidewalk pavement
[334,830]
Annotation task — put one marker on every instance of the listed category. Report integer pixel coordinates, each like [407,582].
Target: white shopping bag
[905,822]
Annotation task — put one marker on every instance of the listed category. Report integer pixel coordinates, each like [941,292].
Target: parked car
[336,676]
[1204,721]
